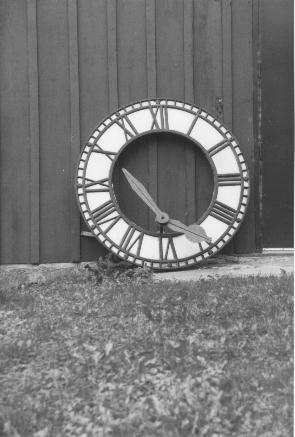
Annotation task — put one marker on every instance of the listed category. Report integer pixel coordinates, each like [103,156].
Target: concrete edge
[16,275]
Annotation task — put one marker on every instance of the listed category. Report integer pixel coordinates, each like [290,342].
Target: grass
[131,358]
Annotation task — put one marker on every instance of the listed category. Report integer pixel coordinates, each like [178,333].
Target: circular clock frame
[123,237]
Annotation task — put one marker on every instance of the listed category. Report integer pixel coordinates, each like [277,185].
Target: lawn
[129,357]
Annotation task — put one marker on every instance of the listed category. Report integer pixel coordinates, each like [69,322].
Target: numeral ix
[92,186]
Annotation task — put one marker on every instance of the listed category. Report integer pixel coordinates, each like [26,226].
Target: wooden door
[277,74]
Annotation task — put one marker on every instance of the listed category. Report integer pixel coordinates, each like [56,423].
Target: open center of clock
[174,171]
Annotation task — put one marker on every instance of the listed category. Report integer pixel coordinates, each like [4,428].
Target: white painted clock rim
[185,107]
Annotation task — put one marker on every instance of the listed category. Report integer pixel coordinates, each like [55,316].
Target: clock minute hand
[193,232]
[141,191]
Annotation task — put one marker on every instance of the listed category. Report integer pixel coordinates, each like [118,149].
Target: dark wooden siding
[65,64]
[277,122]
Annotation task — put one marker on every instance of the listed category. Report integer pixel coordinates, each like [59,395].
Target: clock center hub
[162,219]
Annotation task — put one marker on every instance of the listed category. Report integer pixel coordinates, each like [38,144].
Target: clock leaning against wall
[186,245]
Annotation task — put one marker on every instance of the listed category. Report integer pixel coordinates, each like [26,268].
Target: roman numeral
[164,252]
[218,147]
[112,222]
[201,249]
[154,112]
[229,179]
[193,122]
[223,212]
[161,112]
[125,123]
[164,117]
[98,149]
[102,213]
[128,242]
[92,186]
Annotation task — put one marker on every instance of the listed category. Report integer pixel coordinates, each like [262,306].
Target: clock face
[187,245]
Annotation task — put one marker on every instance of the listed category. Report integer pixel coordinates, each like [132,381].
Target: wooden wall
[277,117]
[65,64]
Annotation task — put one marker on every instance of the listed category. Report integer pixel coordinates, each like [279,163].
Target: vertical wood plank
[174,194]
[169,49]
[135,159]
[54,115]
[227,62]
[112,64]
[208,49]
[151,48]
[74,127]
[277,122]
[208,84]
[131,51]
[132,86]
[34,131]
[242,59]
[257,116]
[188,50]
[112,54]
[152,93]
[94,86]
[15,199]
[171,84]
[226,29]
[93,64]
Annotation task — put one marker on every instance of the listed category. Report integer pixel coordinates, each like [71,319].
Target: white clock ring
[98,203]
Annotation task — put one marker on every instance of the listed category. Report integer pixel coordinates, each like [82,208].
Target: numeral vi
[166,250]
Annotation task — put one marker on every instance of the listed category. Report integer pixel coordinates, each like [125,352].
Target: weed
[108,269]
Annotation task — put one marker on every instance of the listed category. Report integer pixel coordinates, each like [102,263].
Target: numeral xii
[160,117]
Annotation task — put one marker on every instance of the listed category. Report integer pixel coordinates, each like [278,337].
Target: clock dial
[128,240]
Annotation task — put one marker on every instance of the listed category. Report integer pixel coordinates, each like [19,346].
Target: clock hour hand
[194,233]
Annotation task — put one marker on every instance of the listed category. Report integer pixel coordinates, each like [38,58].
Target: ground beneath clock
[262,265]
[233,266]
[128,356]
